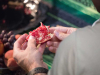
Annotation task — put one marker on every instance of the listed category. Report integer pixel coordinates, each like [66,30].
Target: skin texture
[28,56]
[60,33]
[97,4]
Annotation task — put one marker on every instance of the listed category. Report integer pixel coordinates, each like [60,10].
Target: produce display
[9,60]
[18,15]
[7,40]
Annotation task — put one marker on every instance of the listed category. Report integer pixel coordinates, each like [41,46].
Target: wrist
[35,65]
[38,71]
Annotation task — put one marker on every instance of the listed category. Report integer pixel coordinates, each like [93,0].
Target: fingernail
[31,37]
[56,33]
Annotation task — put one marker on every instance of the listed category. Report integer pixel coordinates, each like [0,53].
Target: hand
[60,33]
[27,55]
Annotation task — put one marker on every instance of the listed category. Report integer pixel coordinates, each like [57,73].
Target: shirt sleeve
[63,63]
[79,54]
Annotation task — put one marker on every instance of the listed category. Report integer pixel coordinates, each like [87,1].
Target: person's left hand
[28,57]
[60,33]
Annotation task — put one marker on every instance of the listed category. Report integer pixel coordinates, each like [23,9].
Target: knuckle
[55,44]
[31,48]
[32,40]
[51,48]
[49,43]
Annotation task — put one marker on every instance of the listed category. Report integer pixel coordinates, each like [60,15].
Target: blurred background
[75,13]
[22,16]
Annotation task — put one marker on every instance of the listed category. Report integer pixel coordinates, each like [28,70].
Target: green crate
[87,3]
[83,9]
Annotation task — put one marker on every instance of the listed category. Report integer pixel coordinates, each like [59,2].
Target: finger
[60,35]
[55,44]
[54,38]
[24,46]
[49,43]
[17,46]
[52,29]
[32,43]
[52,49]
[60,29]
[19,42]
[70,30]
[42,48]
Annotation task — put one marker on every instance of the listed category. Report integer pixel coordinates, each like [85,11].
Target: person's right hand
[60,33]
[27,55]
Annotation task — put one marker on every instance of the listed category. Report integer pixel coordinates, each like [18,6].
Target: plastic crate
[87,3]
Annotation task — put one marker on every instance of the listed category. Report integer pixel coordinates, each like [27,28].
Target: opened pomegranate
[41,34]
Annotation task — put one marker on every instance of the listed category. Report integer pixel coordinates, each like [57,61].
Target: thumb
[42,48]
[60,35]
[32,42]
